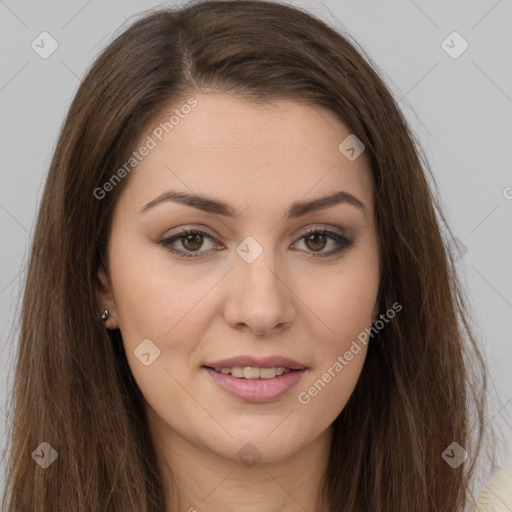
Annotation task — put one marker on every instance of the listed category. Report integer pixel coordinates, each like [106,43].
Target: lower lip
[256,390]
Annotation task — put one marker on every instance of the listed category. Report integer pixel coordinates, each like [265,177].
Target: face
[259,282]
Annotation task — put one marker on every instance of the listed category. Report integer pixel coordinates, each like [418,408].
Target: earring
[380,317]
[104,315]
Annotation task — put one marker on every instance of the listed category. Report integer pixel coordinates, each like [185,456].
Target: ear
[106,298]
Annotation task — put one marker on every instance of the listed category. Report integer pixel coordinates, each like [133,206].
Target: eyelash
[344,242]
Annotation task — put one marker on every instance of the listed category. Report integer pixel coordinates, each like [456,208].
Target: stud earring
[104,315]
[380,317]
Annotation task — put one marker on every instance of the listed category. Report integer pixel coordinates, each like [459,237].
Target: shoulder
[497,495]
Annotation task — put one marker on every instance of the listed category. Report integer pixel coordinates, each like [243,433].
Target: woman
[251,303]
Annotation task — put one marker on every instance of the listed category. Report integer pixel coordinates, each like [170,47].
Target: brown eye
[316,241]
[192,242]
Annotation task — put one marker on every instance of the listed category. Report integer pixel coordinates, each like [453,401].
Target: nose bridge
[258,297]
[256,264]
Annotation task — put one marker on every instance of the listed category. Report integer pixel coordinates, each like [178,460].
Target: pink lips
[256,390]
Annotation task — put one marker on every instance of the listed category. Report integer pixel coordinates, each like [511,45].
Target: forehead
[246,153]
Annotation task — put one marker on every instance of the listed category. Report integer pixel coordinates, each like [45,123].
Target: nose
[258,296]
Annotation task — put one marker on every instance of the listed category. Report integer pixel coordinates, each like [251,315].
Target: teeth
[236,371]
[253,372]
[265,373]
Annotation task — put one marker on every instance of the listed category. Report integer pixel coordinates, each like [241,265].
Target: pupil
[316,237]
[190,239]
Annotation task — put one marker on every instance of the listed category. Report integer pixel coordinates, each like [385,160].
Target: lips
[256,389]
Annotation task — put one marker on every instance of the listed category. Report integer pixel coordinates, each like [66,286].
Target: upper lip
[259,362]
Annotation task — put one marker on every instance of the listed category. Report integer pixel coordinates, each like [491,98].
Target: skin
[286,302]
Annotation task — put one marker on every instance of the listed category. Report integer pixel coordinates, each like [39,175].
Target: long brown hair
[424,380]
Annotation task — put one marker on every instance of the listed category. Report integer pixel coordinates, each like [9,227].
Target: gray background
[460,109]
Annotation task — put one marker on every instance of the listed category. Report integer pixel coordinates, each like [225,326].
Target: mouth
[253,372]
[252,380]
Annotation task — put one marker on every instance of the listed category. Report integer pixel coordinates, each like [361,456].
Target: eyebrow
[215,206]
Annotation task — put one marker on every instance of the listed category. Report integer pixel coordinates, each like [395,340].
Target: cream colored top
[497,495]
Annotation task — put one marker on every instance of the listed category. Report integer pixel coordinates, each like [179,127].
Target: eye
[190,239]
[315,240]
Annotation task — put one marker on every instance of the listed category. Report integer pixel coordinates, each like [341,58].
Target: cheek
[157,308]
[152,293]
[341,299]
[166,303]
[342,303]
[340,340]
